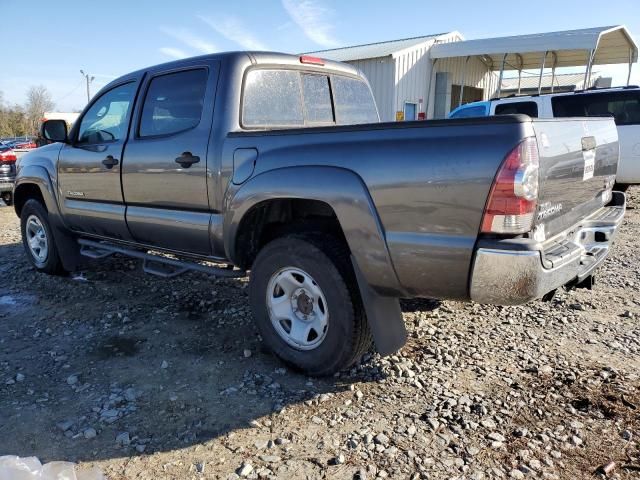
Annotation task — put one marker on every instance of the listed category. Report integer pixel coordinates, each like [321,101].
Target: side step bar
[154,264]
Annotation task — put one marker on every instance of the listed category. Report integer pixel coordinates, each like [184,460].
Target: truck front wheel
[38,240]
[306,304]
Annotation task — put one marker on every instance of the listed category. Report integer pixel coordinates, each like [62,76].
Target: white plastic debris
[30,468]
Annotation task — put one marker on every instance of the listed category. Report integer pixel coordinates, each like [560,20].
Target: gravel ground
[147,378]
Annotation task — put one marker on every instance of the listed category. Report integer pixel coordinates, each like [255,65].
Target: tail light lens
[8,157]
[514,194]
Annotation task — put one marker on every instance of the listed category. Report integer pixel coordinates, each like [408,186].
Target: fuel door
[244,161]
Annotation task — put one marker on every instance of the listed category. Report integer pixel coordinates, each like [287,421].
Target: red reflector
[311,60]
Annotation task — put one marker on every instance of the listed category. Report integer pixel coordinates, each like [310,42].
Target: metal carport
[571,48]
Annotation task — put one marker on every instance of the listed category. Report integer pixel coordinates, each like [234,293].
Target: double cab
[276,166]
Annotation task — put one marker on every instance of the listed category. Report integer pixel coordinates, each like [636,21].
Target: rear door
[89,167]
[164,175]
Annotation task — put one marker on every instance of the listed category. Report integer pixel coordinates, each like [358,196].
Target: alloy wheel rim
[297,308]
[37,239]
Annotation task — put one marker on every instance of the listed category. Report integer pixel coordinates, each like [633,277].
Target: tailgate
[578,163]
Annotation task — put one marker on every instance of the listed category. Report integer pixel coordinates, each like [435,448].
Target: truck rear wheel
[306,304]
[38,240]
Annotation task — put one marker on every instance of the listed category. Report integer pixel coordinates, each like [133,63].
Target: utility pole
[89,79]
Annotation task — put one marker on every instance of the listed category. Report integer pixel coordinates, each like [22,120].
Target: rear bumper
[508,272]
[6,184]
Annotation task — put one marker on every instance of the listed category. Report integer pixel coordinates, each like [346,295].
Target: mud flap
[384,316]
[67,245]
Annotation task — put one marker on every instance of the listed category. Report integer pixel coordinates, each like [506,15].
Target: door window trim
[143,98]
[75,131]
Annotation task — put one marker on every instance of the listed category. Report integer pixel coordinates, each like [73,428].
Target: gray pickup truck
[277,165]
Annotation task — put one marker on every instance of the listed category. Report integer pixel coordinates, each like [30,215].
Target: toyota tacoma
[277,165]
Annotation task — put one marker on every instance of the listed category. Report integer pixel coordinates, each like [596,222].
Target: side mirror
[54,131]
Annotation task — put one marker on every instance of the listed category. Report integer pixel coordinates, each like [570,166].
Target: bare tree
[38,101]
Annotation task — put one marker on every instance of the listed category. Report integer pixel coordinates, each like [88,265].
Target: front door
[89,167]
[164,175]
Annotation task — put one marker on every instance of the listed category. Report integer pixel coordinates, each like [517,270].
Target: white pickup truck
[623,103]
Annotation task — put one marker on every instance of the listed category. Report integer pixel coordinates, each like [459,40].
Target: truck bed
[429,181]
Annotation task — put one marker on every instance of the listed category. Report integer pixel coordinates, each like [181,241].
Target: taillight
[8,157]
[514,194]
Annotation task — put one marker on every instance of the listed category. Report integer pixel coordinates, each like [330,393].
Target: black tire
[327,261]
[52,263]
[621,187]
[7,198]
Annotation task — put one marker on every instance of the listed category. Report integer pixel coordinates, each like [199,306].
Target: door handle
[186,159]
[110,162]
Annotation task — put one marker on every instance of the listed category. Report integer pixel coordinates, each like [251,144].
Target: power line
[69,93]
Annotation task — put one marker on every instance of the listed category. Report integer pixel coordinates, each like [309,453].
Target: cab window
[272,98]
[317,100]
[173,103]
[470,112]
[524,108]
[107,119]
[354,101]
[623,106]
[290,98]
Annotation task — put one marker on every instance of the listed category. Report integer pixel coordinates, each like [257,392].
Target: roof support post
[553,70]
[544,60]
[504,60]
[630,66]
[520,65]
[464,78]
[587,73]
[426,102]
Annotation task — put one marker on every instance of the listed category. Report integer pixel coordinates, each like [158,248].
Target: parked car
[24,145]
[622,103]
[7,173]
[275,164]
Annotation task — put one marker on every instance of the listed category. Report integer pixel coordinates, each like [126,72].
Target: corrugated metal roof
[373,50]
[563,80]
[614,45]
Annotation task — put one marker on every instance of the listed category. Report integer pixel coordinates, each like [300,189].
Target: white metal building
[402,78]
[429,76]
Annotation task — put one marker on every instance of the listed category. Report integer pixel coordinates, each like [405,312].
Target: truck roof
[557,94]
[256,58]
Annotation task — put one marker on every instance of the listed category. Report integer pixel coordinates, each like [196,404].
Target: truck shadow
[171,363]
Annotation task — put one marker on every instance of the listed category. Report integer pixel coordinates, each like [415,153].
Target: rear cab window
[524,108]
[623,106]
[280,98]
[354,103]
[470,112]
